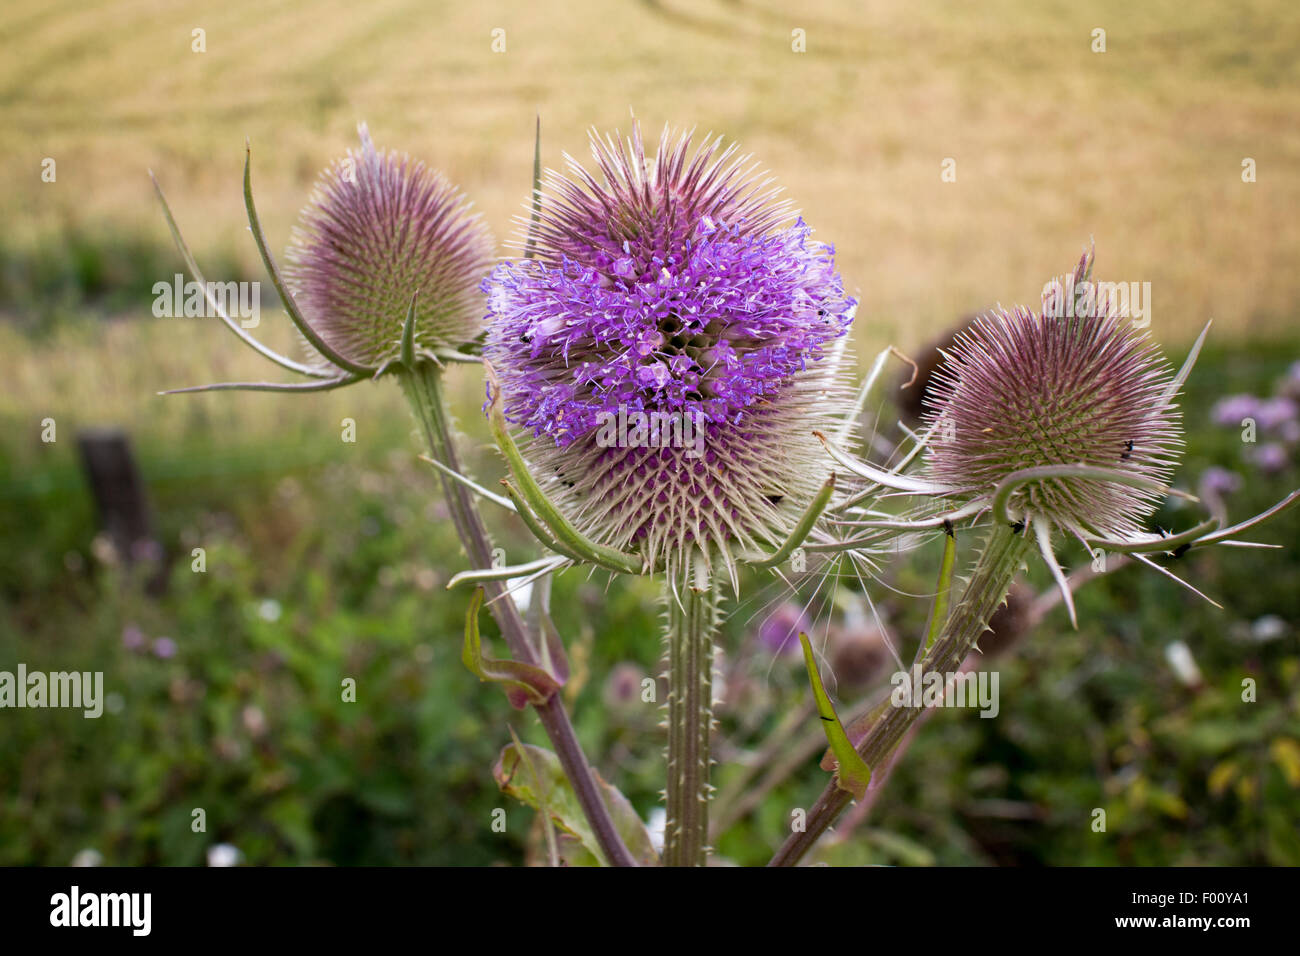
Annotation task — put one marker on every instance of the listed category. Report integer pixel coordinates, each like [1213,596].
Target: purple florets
[710,329]
[1231,410]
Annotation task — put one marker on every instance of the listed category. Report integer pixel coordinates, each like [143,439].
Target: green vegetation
[327,560]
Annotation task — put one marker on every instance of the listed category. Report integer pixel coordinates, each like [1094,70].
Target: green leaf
[1286,754]
[538,780]
[852,774]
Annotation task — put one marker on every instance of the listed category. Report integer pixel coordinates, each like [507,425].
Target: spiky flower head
[379,228]
[1079,384]
[677,285]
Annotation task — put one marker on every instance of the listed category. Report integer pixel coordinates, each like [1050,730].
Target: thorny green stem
[423,388]
[692,617]
[1002,555]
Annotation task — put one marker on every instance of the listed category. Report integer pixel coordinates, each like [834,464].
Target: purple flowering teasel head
[379,228]
[680,293]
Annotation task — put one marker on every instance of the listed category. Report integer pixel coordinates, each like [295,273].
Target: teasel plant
[1041,428]
[682,287]
[382,280]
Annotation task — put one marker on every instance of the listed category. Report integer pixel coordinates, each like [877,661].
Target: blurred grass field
[1140,147]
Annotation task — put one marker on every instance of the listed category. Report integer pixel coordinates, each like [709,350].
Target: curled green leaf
[524,683]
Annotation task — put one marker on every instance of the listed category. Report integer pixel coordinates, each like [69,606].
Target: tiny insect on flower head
[381,227]
[1020,391]
[671,349]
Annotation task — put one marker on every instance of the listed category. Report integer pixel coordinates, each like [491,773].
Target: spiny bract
[678,286]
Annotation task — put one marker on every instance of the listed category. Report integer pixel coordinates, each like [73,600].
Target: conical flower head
[1080,384]
[380,228]
[671,349]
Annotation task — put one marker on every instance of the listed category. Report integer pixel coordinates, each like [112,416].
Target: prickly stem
[423,388]
[692,619]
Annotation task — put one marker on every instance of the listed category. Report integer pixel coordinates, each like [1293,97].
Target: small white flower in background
[223,854]
[1184,666]
[254,720]
[269,610]
[88,857]
[103,550]
[1268,628]
[655,825]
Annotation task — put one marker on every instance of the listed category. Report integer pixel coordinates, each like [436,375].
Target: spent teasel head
[1079,385]
[681,286]
[381,227]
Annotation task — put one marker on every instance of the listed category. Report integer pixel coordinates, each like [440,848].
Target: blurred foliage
[75,270]
[328,561]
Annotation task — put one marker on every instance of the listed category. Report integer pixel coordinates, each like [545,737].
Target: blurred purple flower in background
[779,632]
[1215,484]
[132,638]
[1219,481]
[1230,411]
[1290,384]
[1275,412]
[1271,458]
[623,686]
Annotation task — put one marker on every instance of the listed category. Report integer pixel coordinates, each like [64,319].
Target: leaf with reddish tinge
[524,683]
[539,781]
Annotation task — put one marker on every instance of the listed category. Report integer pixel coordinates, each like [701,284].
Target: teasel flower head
[382,273]
[678,287]
[381,229]
[1057,423]
[1020,391]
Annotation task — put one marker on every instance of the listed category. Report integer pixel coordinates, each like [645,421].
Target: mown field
[329,558]
[1140,146]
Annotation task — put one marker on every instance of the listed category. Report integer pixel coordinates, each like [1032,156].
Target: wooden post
[121,501]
